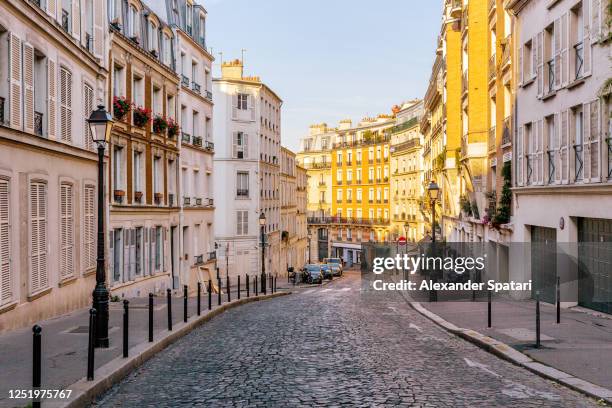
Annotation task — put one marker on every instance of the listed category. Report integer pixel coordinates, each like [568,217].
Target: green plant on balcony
[142,116]
[466,205]
[439,161]
[368,136]
[121,106]
[502,215]
[173,128]
[160,124]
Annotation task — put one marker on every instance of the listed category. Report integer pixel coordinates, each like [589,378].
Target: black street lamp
[433,191]
[309,238]
[100,123]
[262,223]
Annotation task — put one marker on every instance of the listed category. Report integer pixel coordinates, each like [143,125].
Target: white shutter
[592,122]
[234,106]
[558,142]
[15,81]
[111,254]
[520,65]
[564,147]
[245,146]
[595,20]
[76,18]
[6,286]
[539,49]
[66,231]
[65,105]
[88,100]
[586,42]
[534,58]
[251,102]
[564,49]
[586,138]
[98,27]
[245,222]
[126,255]
[38,237]
[28,88]
[557,54]
[235,145]
[89,227]
[52,8]
[51,99]
[238,222]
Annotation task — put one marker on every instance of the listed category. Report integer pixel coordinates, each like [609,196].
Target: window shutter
[540,65]
[88,100]
[98,27]
[126,255]
[520,65]
[132,234]
[235,145]
[28,88]
[519,156]
[89,227]
[586,139]
[238,222]
[245,146]
[557,53]
[251,102]
[66,232]
[234,106]
[558,144]
[586,42]
[534,58]
[38,237]
[51,98]
[76,18]
[564,147]
[52,8]
[245,222]
[595,20]
[6,287]
[65,105]
[594,141]
[111,253]
[15,81]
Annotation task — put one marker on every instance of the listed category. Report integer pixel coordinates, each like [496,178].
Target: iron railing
[185,137]
[343,220]
[551,166]
[38,123]
[198,201]
[492,139]
[212,256]
[529,163]
[492,68]
[579,162]
[186,201]
[198,259]
[506,133]
[171,199]
[242,192]
[65,21]
[579,59]
[551,75]
[609,142]
[209,145]
[197,141]
[195,87]
[185,80]
[209,95]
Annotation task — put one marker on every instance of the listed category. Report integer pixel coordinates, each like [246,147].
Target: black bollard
[126,322]
[209,294]
[238,287]
[90,346]
[227,286]
[538,319]
[199,298]
[219,291]
[169,297]
[185,299]
[473,295]
[558,299]
[488,308]
[37,361]
[275,279]
[246,282]
[256,291]
[150,317]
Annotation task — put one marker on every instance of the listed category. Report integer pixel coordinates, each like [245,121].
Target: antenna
[242,51]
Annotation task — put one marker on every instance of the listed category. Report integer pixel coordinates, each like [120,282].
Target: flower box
[138,196]
[173,128]
[118,195]
[142,116]
[121,107]
[160,124]
[158,198]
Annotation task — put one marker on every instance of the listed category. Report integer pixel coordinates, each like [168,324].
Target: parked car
[336,269]
[335,261]
[327,271]
[313,273]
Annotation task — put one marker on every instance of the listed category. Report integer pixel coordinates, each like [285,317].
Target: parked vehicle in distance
[335,261]
[336,269]
[327,271]
[313,273]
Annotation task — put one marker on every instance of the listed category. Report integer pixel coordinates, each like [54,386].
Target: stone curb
[514,356]
[84,392]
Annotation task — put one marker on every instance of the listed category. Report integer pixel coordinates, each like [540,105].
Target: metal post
[227,286]
[100,293]
[246,281]
[219,291]
[238,287]
[488,308]
[199,298]
[185,299]
[538,319]
[209,294]
[126,305]
[37,361]
[90,348]
[558,299]
[263,261]
[150,317]
[433,221]
[473,295]
[256,294]
[169,298]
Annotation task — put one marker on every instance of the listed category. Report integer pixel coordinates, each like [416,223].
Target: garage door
[544,263]
[595,264]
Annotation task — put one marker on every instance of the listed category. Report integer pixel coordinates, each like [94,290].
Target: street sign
[401,240]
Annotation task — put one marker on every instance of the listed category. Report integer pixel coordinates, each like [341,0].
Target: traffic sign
[401,240]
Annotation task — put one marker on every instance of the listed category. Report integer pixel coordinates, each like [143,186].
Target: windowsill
[575,83]
[89,272]
[551,4]
[549,95]
[40,294]
[242,198]
[528,82]
[8,307]
[121,285]
[67,281]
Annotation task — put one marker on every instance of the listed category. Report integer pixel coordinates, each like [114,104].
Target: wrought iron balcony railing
[195,87]
[579,60]
[185,80]
[38,123]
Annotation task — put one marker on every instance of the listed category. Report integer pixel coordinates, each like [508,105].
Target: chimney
[232,69]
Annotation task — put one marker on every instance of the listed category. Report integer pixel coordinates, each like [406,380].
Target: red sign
[401,240]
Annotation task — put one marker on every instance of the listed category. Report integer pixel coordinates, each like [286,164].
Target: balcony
[506,51]
[339,163]
[198,202]
[349,182]
[492,140]
[65,21]
[185,80]
[358,181]
[38,123]
[211,202]
[317,165]
[579,60]
[244,193]
[158,198]
[339,182]
[195,87]
[212,256]
[455,9]
[492,67]
[138,196]
[197,141]
[358,201]
[370,181]
[186,201]
[350,221]
[209,95]
[338,201]
[185,137]
[198,259]
[370,161]
[349,163]
[349,201]
[358,162]
[507,132]
[210,146]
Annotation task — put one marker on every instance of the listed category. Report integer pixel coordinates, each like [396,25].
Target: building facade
[302,243]
[52,75]
[247,156]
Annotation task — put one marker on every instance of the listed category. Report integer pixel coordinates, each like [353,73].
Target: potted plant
[119,194]
[160,124]
[138,196]
[121,106]
[142,116]
[173,127]
[158,197]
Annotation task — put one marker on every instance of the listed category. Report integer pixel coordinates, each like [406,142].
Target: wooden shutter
[6,286]
[88,101]
[594,141]
[564,147]
[98,27]
[111,253]
[519,156]
[557,53]
[586,138]
[520,65]
[245,146]
[565,65]
[15,81]
[38,237]
[534,58]
[65,105]
[89,249]
[28,88]
[126,255]
[66,231]
[595,20]
[586,42]
[51,99]
[52,8]
[235,106]
[558,141]
[251,101]
[76,18]
[539,49]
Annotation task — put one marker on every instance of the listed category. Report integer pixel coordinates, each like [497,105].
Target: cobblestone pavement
[331,346]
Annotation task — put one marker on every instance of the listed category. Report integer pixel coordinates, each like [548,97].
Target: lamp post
[406,230]
[433,191]
[262,223]
[309,238]
[100,124]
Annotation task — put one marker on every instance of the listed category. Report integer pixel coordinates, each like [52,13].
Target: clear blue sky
[329,60]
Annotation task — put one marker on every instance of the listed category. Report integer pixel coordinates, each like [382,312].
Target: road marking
[327,290]
[414,326]
[520,391]
[308,291]
[481,366]
[345,289]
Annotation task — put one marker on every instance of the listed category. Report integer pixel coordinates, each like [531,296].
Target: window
[189,18]
[577,41]
[157,175]
[242,222]
[67,15]
[240,147]
[66,231]
[65,105]
[339,195]
[138,90]
[6,284]
[118,167]
[118,81]
[170,107]
[358,195]
[157,101]
[139,252]
[242,101]
[242,184]
[116,248]
[89,218]
[579,142]
[167,49]
[88,106]
[153,36]
[159,248]
[133,26]
[138,174]
[38,237]
[358,175]
[339,176]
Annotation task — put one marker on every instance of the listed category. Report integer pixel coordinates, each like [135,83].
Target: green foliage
[465,204]
[502,216]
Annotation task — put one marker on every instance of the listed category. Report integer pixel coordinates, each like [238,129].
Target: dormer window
[133,25]
[153,37]
[167,48]
[189,19]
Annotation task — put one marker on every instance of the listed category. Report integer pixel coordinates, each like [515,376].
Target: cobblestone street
[331,346]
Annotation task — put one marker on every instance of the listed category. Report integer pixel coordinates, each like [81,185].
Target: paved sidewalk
[581,345]
[64,342]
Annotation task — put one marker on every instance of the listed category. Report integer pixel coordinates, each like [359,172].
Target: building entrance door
[595,264]
[544,263]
